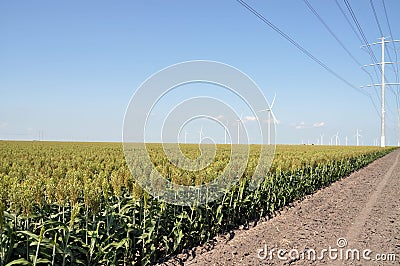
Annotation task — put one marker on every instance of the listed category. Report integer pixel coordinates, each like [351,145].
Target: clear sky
[68,69]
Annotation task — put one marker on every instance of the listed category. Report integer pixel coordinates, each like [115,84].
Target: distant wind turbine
[337,139]
[270,113]
[225,129]
[357,137]
[201,134]
[238,128]
[322,139]
[185,136]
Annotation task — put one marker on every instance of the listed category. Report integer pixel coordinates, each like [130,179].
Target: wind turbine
[185,136]
[337,140]
[201,134]
[357,137]
[346,140]
[269,111]
[322,139]
[226,129]
[238,128]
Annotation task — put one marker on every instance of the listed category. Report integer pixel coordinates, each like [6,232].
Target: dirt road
[359,214]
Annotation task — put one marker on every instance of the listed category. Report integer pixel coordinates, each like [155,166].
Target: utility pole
[383,137]
[382,85]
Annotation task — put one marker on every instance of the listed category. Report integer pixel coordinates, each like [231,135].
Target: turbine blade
[274,117]
[273,101]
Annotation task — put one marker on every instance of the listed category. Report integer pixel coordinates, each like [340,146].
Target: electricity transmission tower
[382,84]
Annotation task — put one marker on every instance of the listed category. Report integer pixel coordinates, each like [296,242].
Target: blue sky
[68,69]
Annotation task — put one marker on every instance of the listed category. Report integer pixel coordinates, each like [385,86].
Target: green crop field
[78,203]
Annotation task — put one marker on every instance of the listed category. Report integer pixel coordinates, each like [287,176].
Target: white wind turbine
[238,128]
[225,129]
[201,134]
[357,137]
[346,140]
[322,139]
[185,136]
[337,139]
[270,113]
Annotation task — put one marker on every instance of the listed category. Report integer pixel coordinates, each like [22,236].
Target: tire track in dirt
[355,230]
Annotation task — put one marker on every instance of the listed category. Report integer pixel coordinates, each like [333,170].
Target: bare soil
[359,212]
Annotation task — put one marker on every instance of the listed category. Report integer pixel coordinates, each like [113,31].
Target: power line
[394,47]
[362,42]
[382,85]
[360,31]
[348,21]
[331,32]
[395,69]
[297,45]
[310,7]
[371,52]
[391,34]
[387,18]
[376,17]
[379,26]
[381,32]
